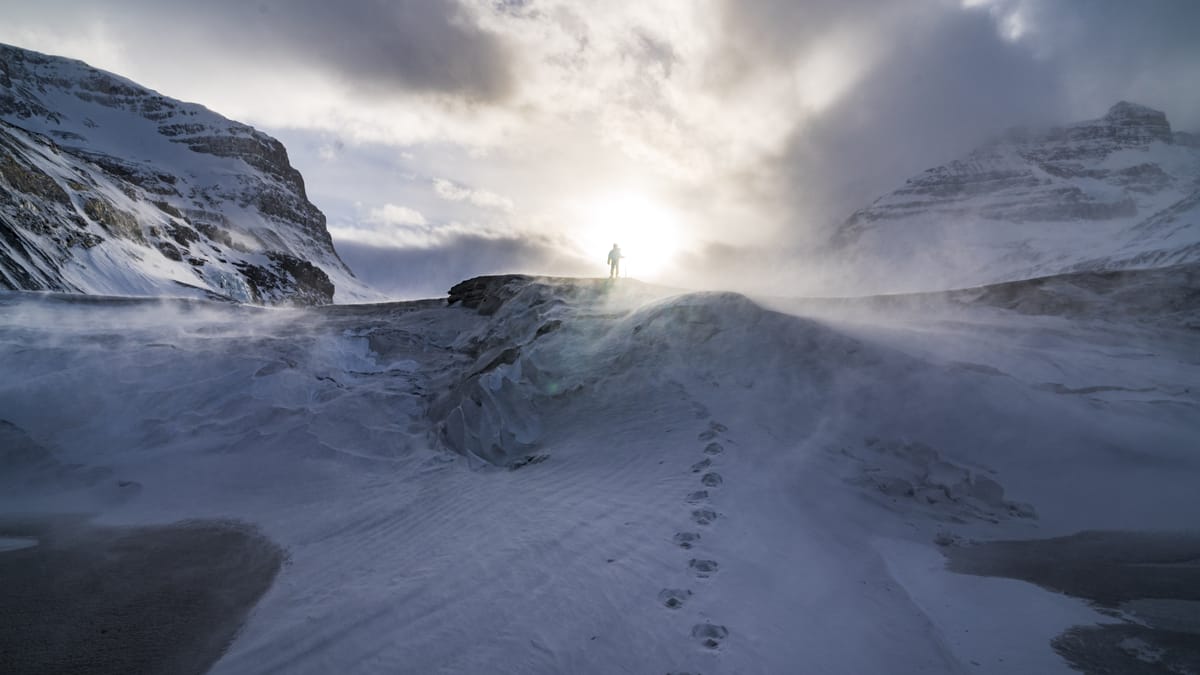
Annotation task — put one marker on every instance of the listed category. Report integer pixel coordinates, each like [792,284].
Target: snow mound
[547,341]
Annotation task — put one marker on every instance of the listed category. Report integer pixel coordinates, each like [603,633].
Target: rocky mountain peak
[1124,110]
[1139,122]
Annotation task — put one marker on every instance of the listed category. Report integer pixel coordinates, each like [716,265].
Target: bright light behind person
[646,230]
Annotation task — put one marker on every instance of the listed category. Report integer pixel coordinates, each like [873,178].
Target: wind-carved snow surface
[555,475]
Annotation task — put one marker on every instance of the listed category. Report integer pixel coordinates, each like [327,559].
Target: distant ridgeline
[1118,192]
[109,188]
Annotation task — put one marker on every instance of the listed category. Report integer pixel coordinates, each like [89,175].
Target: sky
[713,139]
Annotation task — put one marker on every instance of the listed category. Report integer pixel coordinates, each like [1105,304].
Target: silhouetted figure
[614,262]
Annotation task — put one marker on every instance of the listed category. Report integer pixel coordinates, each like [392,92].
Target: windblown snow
[552,476]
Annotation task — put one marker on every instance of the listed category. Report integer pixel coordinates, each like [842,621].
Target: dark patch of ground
[1102,566]
[125,600]
[1153,577]
[1129,649]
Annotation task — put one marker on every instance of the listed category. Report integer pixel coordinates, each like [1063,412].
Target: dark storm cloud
[958,84]
[1144,51]
[377,47]
[946,77]
[384,44]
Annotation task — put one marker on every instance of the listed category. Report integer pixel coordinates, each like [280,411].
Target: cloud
[380,47]
[453,192]
[390,71]
[391,214]
[1110,50]
[958,84]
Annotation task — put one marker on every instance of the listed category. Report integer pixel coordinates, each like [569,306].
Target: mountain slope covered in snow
[1117,192]
[109,188]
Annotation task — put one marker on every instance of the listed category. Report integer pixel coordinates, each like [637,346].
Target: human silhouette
[614,262]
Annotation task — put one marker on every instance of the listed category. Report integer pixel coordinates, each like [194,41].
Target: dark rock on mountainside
[486,294]
[108,187]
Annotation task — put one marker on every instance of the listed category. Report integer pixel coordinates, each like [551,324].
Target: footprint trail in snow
[707,634]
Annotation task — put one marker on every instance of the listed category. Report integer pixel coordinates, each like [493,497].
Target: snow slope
[1118,192]
[559,475]
[109,188]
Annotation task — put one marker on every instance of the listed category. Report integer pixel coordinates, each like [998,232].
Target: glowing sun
[646,230]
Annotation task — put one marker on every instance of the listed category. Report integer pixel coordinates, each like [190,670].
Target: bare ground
[1148,581]
[109,600]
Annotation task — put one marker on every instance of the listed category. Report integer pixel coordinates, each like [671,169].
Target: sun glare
[646,230]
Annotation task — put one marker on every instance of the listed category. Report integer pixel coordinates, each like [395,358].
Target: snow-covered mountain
[1117,192]
[107,187]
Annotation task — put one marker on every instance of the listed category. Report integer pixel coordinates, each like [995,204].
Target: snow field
[701,490]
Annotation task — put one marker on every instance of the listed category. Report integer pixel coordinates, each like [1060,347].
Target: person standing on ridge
[614,262]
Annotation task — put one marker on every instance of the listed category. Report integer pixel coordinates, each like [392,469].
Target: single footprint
[710,635]
[686,539]
[704,516]
[701,465]
[718,427]
[711,479]
[703,568]
[527,460]
[714,448]
[707,435]
[673,598]
[697,496]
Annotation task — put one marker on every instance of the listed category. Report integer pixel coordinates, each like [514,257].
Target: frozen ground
[568,476]
[114,601]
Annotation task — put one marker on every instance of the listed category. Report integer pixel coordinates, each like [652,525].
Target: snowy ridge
[107,187]
[1091,195]
[669,483]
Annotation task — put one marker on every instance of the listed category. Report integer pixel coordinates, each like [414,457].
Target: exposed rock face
[486,294]
[1036,202]
[108,187]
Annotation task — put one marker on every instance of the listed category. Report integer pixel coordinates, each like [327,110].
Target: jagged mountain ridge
[1117,192]
[108,187]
